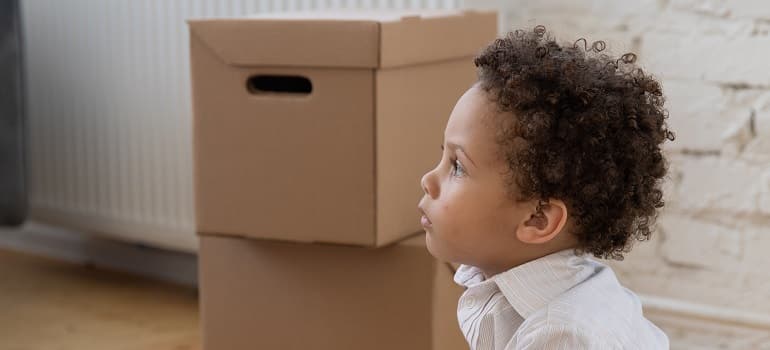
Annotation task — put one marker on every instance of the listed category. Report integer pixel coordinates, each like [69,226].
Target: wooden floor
[51,305]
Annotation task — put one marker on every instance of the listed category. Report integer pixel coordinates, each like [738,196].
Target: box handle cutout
[282,84]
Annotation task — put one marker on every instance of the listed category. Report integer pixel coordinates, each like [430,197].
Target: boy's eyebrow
[453,145]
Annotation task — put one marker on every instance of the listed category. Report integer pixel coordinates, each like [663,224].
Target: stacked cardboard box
[311,134]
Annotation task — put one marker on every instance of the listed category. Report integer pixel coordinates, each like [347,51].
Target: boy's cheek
[449,215]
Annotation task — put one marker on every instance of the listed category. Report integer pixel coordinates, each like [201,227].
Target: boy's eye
[458,168]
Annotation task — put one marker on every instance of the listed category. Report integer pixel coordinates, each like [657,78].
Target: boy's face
[471,220]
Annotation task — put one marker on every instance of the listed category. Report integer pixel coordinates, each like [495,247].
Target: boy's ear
[545,221]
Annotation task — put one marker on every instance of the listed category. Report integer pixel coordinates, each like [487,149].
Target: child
[554,154]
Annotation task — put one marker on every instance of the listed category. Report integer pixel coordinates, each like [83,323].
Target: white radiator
[109,117]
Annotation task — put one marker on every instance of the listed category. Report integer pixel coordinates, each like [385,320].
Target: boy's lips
[424,219]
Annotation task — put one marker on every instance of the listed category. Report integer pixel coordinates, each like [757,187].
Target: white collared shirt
[559,301]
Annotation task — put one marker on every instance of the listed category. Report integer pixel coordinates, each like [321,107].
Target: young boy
[554,154]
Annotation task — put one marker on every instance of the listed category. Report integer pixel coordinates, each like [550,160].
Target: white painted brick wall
[709,58]
[709,259]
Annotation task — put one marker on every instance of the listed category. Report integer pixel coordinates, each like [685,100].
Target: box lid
[357,39]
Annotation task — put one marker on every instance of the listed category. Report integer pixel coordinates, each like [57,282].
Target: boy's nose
[428,186]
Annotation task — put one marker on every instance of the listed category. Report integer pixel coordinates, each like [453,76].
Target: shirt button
[468,303]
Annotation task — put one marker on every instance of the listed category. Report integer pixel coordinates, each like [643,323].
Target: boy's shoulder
[599,307]
[600,298]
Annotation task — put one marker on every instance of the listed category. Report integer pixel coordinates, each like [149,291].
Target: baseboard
[81,248]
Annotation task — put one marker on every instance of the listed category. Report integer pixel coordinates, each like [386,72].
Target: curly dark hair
[583,127]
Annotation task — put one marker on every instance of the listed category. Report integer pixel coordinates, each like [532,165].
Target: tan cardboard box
[260,294]
[317,128]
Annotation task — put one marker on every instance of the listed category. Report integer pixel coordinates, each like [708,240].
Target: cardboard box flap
[379,15]
[356,39]
[280,42]
[422,39]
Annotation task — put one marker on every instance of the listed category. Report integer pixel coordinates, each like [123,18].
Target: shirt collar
[532,285]
[468,276]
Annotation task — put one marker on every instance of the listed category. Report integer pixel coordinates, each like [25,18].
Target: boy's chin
[430,243]
[442,252]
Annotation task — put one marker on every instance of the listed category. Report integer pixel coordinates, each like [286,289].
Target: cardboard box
[318,127]
[258,294]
